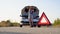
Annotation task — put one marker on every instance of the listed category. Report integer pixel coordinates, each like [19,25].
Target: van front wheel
[20,25]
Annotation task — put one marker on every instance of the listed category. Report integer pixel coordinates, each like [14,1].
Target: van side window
[26,10]
[34,10]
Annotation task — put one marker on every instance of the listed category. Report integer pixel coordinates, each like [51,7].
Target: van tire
[39,26]
[20,25]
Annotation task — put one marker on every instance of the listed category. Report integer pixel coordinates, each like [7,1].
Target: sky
[11,9]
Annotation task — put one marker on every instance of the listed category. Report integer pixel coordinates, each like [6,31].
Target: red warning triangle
[43,20]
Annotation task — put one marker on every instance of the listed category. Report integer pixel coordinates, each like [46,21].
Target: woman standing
[30,16]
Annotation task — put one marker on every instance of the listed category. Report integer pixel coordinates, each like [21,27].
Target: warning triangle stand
[44,20]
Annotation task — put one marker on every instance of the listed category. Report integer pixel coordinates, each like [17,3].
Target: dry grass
[9,24]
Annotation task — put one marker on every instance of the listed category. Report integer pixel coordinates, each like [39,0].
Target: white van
[25,15]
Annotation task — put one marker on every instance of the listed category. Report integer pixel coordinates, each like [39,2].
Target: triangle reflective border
[43,20]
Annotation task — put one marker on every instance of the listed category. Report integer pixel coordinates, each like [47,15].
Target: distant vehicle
[25,15]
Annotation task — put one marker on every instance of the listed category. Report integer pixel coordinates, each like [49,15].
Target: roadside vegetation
[8,23]
[56,23]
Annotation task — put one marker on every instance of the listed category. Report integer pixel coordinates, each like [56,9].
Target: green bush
[57,22]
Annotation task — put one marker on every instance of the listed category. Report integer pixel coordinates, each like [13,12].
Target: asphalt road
[29,30]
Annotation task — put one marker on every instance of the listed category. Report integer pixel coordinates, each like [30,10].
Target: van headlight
[21,23]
